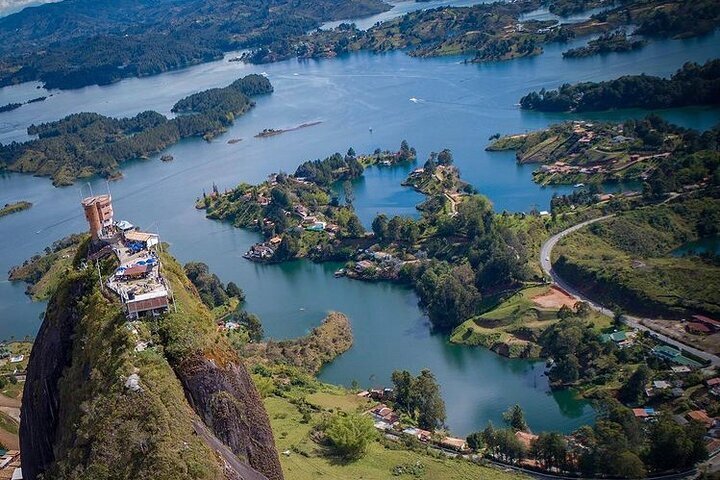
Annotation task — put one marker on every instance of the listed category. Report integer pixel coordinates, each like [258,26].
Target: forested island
[74,44]
[85,144]
[484,32]
[299,214]
[15,207]
[664,156]
[692,84]
[491,32]
[616,42]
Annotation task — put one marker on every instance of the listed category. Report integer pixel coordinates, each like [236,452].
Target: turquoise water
[458,106]
[697,247]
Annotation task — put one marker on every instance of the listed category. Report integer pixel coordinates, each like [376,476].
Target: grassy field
[638,279]
[303,459]
[512,327]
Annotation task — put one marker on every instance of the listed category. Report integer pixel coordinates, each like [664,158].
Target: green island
[299,214]
[606,43]
[85,144]
[492,32]
[692,84]
[662,156]
[15,207]
[485,32]
[80,43]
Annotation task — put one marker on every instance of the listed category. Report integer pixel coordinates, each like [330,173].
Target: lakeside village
[680,385]
[591,152]
[689,389]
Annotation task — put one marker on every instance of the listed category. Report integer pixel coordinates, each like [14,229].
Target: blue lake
[456,105]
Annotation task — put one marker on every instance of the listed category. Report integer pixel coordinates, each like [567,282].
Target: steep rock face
[51,353]
[227,401]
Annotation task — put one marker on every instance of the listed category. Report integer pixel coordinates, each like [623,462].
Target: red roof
[700,416]
[640,412]
[713,381]
[704,319]
[135,270]
[698,327]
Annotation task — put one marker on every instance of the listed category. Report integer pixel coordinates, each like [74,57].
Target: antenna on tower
[90,187]
[107,185]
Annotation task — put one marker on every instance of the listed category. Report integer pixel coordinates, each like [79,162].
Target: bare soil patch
[554,298]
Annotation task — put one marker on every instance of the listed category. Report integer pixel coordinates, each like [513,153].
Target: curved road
[634,322]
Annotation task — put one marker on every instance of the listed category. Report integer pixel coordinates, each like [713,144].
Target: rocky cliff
[98,407]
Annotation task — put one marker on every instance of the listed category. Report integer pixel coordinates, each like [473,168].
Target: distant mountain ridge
[74,43]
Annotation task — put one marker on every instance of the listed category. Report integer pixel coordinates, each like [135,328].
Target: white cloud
[11,6]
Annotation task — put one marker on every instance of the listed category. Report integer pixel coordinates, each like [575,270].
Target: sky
[11,6]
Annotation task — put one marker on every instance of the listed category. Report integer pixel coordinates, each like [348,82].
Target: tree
[234,291]
[403,391]
[634,389]
[349,193]
[628,465]
[354,227]
[550,449]
[515,418]
[349,434]
[582,309]
[445,157]
[565,312]
[673,446]
[419,397]
[379,226]
[475,440]
[567,369]
[252,324]
[451,296]
[429,403]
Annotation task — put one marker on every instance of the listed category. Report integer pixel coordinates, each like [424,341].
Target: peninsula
[615,42]
[650,150]
[85,144]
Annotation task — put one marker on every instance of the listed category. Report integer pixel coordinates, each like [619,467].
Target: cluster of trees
[83,144]
[419,398]
[395,229]
[565,8]
[697,161]
[472,254]
[576,349]
[211,289]
[606,43]
[331,169]
[617,445]
[72,45]
[688,18]
[231,99]
[692,84]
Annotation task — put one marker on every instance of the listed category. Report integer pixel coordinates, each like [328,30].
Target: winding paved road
[634,322]
[232,462]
